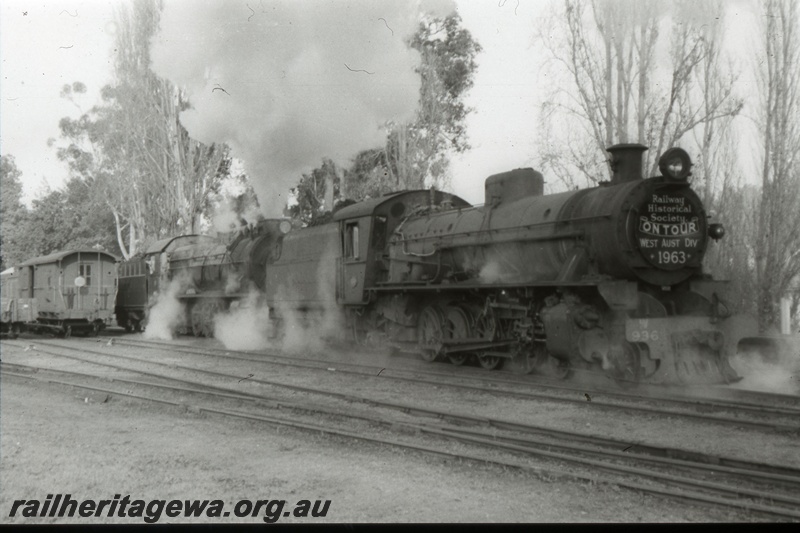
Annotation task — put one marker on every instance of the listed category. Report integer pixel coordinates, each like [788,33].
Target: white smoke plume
[166,314]
[491,272]
[225,218]
[286,83]
[226,213]
[245,326]
[309,331]
[778,372]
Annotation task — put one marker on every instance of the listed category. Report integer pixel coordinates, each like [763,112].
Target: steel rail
[594,403]
[702,400]
[617,469]
[700,462]
[449,415]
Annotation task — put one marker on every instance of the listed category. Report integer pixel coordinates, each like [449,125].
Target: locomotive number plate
[643,331]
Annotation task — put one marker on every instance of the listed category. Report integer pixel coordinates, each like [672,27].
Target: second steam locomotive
[607,278]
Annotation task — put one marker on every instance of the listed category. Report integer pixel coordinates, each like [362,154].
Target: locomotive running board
[451,347]
[471,345]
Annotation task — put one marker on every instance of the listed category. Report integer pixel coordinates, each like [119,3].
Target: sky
[47,44]
[43,46]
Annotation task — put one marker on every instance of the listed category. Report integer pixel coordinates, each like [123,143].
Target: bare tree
[778,243]
[609,55]
[731,201]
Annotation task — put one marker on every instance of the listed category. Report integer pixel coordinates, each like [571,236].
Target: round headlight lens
[675,164]
[716,231]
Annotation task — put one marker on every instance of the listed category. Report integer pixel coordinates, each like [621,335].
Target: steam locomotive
[204,274]
[607,278]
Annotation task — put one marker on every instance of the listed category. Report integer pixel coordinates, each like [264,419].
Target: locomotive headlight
[675,164]
[285,226]
[716,231]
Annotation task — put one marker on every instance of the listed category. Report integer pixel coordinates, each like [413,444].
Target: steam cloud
[165,315]
[779,373]
[286,83]
[244,327]
[247,325]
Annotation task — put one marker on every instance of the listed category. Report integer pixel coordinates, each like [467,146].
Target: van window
[85,271]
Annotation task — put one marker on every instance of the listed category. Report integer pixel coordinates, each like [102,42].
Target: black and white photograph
[314,262]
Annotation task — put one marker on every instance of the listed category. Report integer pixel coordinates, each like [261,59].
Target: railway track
[768,490]
[785,416]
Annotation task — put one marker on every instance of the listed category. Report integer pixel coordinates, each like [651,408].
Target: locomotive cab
[368,227]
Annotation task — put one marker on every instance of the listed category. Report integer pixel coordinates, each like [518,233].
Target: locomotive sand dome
[607,278]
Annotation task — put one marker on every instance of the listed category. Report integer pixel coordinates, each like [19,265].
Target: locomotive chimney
[626,162]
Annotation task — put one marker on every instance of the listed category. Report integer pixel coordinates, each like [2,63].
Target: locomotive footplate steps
[687,349]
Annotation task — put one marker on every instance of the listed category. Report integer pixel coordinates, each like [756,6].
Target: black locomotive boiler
[607,278]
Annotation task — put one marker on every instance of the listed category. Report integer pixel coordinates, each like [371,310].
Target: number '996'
[671,258]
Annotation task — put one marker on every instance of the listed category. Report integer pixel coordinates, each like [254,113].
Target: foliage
[368,176]
[13,241]
[73,217]
[311,193]
[417,153]
[70,218]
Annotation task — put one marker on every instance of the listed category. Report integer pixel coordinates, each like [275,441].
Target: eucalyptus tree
[14,245]
[156,179]
[417,153]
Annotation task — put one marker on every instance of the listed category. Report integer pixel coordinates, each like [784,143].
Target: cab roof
[368,207]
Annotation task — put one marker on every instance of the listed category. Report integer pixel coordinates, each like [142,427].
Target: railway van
[73,291]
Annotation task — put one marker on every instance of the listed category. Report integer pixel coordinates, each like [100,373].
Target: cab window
[351,240]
